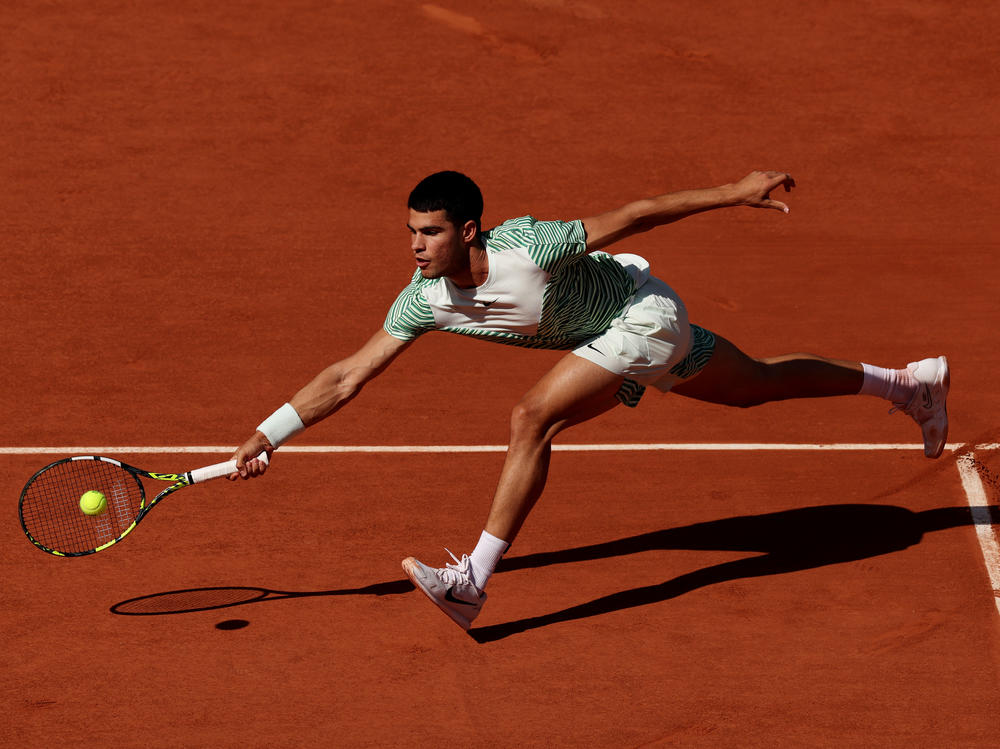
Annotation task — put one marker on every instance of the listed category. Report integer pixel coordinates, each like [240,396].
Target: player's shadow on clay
[785,542]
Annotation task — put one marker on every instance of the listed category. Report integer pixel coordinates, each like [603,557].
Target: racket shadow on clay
[781,542]
[190,600]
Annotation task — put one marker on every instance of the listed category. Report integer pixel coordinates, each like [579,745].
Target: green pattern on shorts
[702,348]
[630,392]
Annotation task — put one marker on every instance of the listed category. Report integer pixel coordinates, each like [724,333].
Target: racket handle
[219,470]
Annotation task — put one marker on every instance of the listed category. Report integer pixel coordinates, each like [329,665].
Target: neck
[478,268]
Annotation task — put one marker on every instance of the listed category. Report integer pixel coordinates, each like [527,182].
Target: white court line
[613,447]
[979,504]
[971,481]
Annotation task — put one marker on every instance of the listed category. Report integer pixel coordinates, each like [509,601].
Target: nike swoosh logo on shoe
[928,400]
[449,596]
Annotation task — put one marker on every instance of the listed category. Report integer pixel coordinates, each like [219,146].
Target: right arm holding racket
[329,391]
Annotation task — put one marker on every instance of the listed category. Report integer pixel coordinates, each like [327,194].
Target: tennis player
[548,284]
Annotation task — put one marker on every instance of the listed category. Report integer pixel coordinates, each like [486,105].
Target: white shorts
[650,343]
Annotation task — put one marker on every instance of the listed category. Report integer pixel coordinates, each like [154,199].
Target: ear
[469,231]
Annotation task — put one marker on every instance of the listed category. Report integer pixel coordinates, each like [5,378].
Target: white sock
[896,385]
[485,557]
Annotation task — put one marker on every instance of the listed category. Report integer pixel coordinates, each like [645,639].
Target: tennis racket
[50,510]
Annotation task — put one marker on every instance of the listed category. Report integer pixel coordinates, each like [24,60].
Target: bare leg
[576,390]
[572,392]
[735,379]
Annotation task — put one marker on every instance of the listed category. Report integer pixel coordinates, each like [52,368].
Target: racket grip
[219,470]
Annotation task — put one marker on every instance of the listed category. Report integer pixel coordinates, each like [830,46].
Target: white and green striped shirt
[543,291]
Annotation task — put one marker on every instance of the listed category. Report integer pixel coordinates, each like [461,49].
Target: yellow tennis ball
[93,503]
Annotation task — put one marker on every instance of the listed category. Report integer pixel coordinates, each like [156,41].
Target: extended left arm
[642,215]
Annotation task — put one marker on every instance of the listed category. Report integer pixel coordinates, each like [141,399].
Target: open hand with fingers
[755,189]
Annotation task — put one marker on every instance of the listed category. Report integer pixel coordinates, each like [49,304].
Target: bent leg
[734,379]
[573,391]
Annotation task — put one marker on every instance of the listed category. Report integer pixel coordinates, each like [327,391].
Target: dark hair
[451,192]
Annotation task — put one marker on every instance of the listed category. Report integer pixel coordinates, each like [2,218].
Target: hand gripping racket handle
[219,470]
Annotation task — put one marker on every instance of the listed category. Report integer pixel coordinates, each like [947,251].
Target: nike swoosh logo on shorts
[590,345]
[449,596]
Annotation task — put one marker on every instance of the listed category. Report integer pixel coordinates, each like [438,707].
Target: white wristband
[282,425]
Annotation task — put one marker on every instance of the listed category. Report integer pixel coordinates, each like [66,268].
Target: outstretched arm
[329,391]
[642,215]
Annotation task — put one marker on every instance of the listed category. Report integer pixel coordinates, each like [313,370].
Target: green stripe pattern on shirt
[584,293]
[410,315]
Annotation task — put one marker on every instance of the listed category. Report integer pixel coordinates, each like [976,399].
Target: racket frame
[180,481]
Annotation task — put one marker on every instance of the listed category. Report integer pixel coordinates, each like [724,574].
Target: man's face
[437,245]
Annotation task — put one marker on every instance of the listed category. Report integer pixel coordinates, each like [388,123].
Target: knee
[529,420]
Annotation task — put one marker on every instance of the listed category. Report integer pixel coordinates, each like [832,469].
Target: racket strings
[50,505]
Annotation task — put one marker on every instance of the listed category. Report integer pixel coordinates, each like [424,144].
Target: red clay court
[202,207]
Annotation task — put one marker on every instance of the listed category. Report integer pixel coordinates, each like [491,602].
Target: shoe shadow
[788,541]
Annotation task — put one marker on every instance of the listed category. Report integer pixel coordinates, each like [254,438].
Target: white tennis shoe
[450,587]
[928,405]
